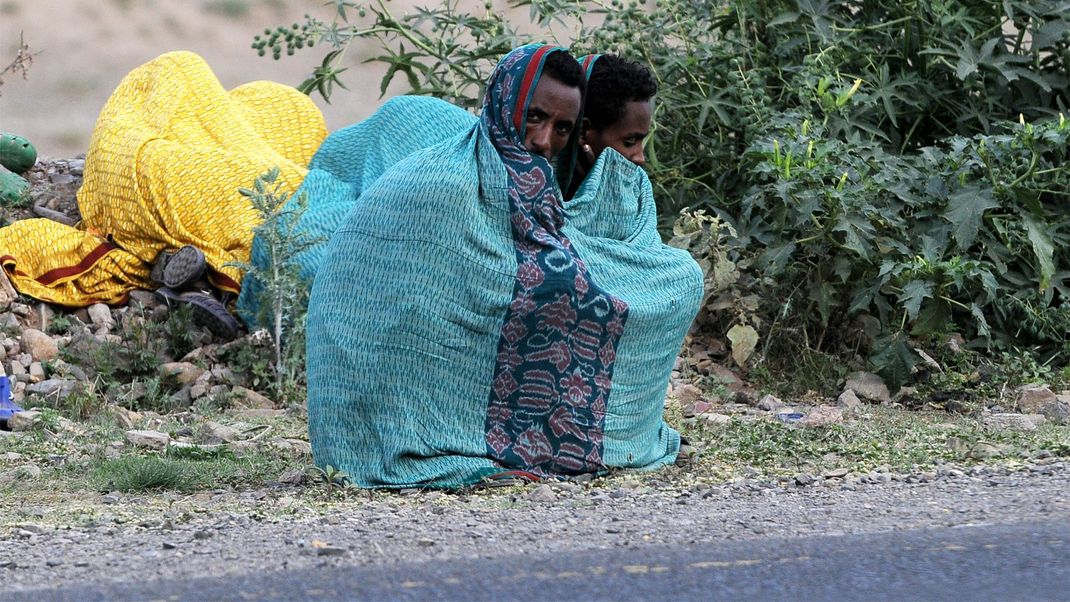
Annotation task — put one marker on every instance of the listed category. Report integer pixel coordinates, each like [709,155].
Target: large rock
[143,298]
[247,398]
[148,439]
[1014,422]
[220,433]
[53,389]
[728,378]
[687,393]
[868,386]
[124,417]
[39,345]
[24,420]
[848,401]
[770,403]
[714,419]
[100,315]
[22,473]
[1039,399]
[1031,397]
[822,416]
[184,372]
[85,350]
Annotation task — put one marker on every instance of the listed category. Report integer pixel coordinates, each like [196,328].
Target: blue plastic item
[7,401]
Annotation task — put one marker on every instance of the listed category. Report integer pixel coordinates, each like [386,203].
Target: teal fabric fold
[408,305]
[348,162]
[424,268]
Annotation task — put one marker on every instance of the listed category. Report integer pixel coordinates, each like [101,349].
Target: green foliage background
[880,170]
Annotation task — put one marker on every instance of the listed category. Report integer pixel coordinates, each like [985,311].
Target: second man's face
[626,135]
[551,117]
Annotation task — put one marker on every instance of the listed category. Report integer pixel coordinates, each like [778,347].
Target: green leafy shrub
[887,170]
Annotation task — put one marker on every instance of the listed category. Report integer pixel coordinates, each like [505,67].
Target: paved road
[1026,561]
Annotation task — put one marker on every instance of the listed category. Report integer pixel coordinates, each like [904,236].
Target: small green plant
[282,292]
[200,452]
[151,393]
[143,344]
[179,332]
[60,324]
[148,473]
[84,402]
[332,478]
[1020,367]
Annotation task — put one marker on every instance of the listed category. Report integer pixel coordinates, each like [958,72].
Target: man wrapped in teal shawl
[466,322]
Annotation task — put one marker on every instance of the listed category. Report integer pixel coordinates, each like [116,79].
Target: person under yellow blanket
[169,151]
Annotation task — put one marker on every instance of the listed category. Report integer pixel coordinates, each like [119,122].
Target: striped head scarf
[558,343]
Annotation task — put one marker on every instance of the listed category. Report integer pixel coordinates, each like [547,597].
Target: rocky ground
[107,384]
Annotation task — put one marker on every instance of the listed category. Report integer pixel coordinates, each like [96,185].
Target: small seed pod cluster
[288,38]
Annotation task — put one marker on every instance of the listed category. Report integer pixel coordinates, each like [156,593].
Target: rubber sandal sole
[158,265]
[182,268]
[509,478]
[207,311]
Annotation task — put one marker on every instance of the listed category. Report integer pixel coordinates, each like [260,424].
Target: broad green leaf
[1049,34]
[888,266]
[968,61]
[931,248]
[979,320]
[893,360]
[965,209]
[863,297]
[914,292]
[988,282]
[785,17]
[853,227]
[1043,249]
[933,318]
[824,294]
[776,258]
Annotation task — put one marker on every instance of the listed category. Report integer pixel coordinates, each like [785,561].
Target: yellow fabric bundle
[170,150]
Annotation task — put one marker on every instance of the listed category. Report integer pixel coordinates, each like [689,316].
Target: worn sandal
[509,478]
[177,269]
[208,311]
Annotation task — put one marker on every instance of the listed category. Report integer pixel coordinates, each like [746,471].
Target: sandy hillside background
[87,46]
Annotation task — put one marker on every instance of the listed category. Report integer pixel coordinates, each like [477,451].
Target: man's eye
[564,129]
[533,117]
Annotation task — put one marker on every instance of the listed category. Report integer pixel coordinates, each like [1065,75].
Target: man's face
[551,117]
[626,135]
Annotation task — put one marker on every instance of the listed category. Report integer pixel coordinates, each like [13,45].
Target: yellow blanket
[170,150]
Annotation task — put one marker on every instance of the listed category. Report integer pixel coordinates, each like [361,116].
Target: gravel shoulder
[166,537]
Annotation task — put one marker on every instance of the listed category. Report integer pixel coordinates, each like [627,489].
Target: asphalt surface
[1022,561]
